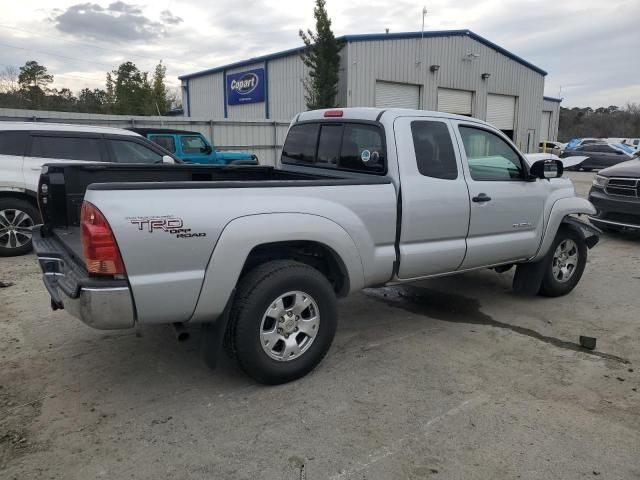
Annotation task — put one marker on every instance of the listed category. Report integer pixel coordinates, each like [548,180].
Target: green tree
[34,81]
[322,57]
[132,91]
[92,101]
[110,94]
[159,94]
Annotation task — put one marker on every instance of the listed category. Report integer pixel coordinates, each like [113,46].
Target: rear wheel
[565,265]
[17,219]
[282,322]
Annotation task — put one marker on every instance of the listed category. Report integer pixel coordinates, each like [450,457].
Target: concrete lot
[453,379]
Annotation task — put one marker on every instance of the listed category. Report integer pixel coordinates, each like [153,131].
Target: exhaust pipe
[180,331]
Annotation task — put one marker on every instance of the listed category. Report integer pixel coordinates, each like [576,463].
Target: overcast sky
[589,47]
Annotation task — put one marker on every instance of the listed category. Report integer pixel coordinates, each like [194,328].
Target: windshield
[623,147]
[193,144]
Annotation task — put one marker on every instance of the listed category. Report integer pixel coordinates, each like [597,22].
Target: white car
[25,147]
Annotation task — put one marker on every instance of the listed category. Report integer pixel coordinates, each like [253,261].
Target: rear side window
[300,146]
[345,146]
[131,152]
[434,150]
[165,141]
[66,148]
[12,143]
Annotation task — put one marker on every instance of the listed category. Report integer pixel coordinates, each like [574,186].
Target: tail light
[333,113]
[101,253]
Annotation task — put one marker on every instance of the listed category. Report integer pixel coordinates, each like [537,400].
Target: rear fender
[243,234]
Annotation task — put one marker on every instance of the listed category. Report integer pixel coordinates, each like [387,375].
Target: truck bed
[67,183]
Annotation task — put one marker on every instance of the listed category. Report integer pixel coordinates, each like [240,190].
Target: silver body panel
[442,232]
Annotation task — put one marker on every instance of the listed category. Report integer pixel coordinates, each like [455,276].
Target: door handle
[483,197]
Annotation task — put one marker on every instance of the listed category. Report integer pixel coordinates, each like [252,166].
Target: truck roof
[373,114]
[63,127]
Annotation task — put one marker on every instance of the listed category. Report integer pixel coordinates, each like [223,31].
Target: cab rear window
[356,147]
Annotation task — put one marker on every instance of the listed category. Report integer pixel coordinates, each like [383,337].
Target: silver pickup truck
[258,255]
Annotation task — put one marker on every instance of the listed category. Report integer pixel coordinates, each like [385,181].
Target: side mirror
[546,169]
[168,159]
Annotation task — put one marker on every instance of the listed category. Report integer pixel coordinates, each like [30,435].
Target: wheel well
[316,255]
[26,196]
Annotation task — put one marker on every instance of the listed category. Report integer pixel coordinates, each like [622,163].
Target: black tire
[551,286]
[8,207]
[256,291]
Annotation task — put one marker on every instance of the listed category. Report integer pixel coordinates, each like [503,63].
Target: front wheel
[282,322]
[565,265]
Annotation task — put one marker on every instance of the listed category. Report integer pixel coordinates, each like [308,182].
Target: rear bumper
[104,304]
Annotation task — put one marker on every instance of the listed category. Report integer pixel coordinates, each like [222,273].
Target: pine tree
[159,90]
[322,57]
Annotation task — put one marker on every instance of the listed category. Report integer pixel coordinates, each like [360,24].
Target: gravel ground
[456,378]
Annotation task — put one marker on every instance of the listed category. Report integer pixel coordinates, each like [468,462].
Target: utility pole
[424,14]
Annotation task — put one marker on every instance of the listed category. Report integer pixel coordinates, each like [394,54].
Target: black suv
[616,195]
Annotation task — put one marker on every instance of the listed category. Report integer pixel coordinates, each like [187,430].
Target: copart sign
[245,87]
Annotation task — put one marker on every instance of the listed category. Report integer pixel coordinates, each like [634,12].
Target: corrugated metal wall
[404,60]
[554,108]
[264,138]
[286,88]
[206,96]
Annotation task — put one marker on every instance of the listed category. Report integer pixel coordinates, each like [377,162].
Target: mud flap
[528,277]
[213,334]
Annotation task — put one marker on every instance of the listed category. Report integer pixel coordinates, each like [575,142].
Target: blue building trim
[266,88]
[373,37]
[224,91]
[553,99]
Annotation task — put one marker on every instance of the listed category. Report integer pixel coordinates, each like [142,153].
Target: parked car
[576,142]
[599,155]
[616,195]
[193,147]
[555,148]
[263,273]
[25,147]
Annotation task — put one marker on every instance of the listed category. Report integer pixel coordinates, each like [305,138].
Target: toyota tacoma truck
[360,197]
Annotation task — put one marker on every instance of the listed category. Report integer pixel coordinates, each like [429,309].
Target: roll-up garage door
[545,126]
[397,95]
[454,101]
[501,111]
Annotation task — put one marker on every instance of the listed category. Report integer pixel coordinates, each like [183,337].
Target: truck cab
[193,147]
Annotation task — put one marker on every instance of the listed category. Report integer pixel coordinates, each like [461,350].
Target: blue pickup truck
[193,147]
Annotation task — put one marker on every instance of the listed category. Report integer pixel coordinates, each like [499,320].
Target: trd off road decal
[167,223]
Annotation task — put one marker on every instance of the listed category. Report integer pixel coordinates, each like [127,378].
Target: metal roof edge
[552,99]
[372,37]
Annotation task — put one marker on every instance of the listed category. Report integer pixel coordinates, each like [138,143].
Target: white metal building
[454,71]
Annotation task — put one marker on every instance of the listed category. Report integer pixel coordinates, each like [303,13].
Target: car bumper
[103,304]
[616,211]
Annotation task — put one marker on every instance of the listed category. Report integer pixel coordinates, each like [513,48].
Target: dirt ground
[456,378]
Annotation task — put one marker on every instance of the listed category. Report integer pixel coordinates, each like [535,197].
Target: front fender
[243,234]
[561,209]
